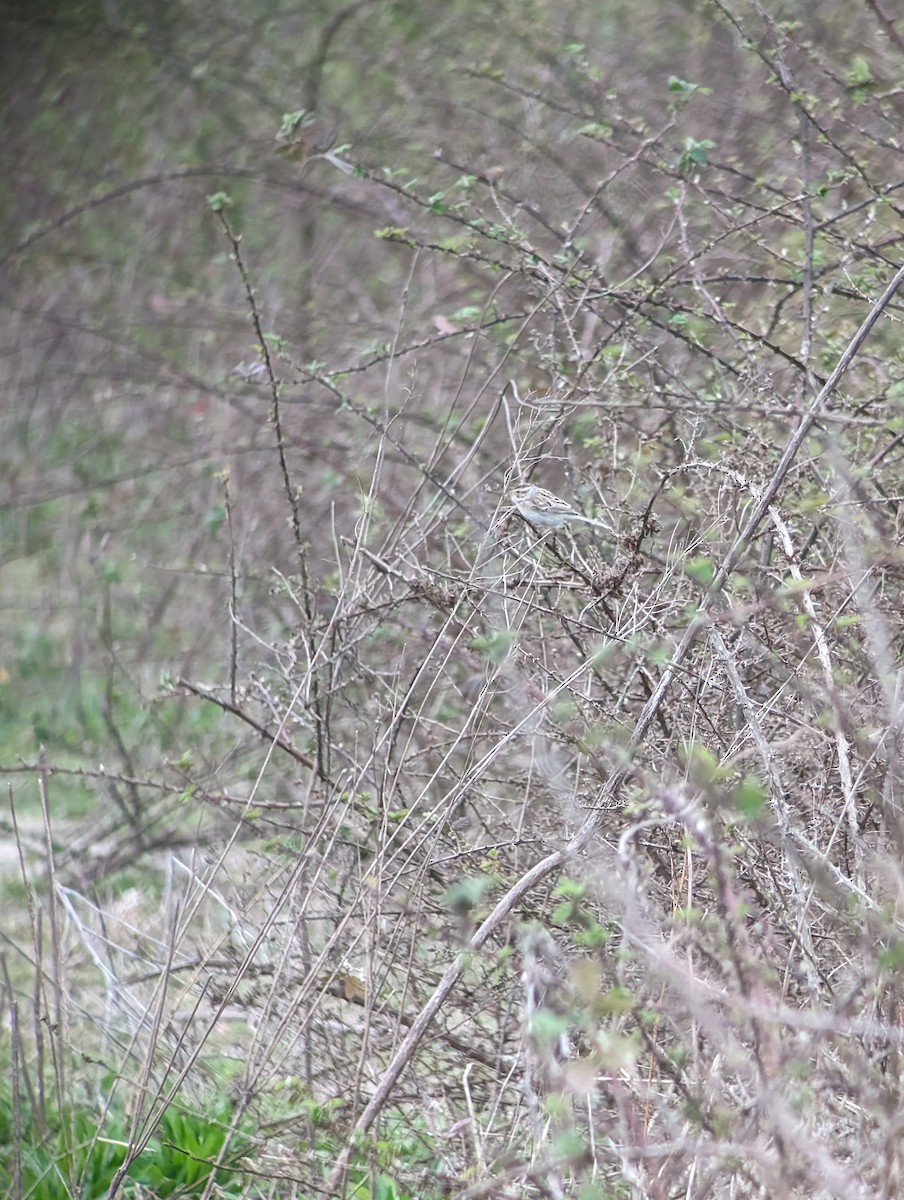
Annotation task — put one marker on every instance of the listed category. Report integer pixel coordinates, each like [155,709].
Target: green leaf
[466,894]
[596,130]
[547,1026]
[617,1001]
[859,74]
[892,957]
[700,568]
[701,764]
[685,90]
[498,645]
[393,233]
[695,154]
[749,797]
[571,888]
[218,201]
[293,121]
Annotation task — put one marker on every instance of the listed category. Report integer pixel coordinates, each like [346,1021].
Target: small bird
[540,507]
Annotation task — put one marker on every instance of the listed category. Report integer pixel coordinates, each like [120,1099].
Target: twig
[579,841]
[235,711]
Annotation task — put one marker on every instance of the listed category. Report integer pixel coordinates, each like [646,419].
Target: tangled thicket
[557,860]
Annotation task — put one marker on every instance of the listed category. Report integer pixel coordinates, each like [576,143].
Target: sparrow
[546,509]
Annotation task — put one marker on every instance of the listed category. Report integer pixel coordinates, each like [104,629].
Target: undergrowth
[453,854]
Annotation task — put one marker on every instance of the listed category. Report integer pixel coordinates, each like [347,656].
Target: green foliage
[701,764]
[219,202]
[78,1151]
[694,154]
[398,1149]
[700,568]
[686,91]
[178,1159]
[891,957]
[575,910]
[749,798]
[497,645]
[466,894]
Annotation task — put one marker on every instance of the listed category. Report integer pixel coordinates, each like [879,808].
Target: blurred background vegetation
[288,699]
